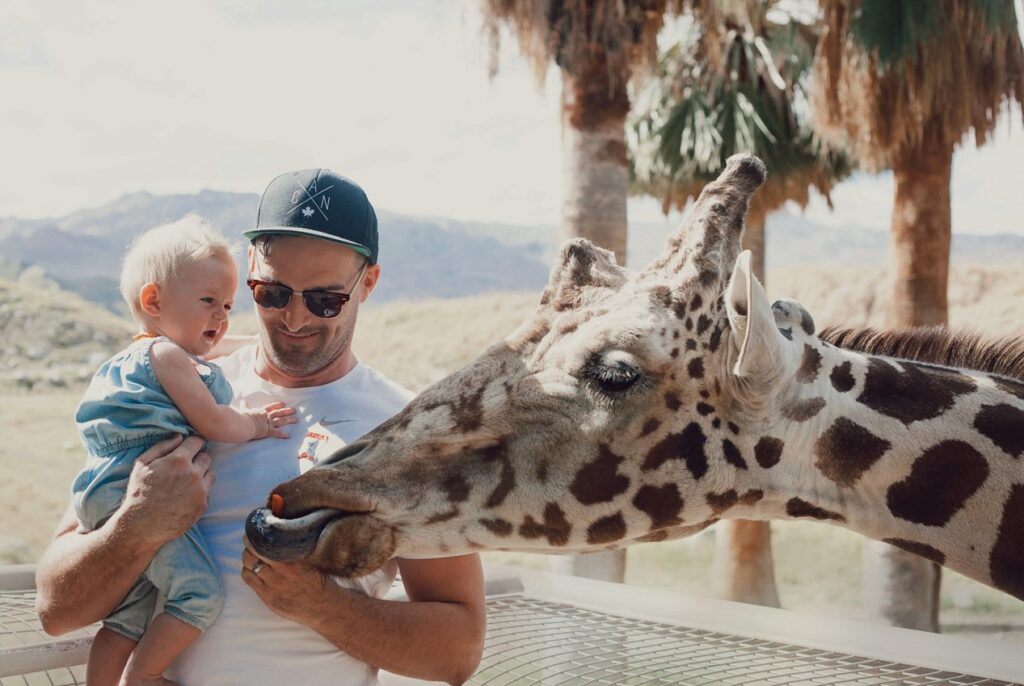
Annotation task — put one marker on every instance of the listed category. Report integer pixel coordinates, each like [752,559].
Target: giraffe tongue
[287,539]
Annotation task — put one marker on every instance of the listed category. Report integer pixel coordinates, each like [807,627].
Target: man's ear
[762,353]
[149,299]
[370,278]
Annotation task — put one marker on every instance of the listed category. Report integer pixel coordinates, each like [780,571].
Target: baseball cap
[320,204]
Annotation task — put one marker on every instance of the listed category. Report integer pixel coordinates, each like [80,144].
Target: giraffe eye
[613,376]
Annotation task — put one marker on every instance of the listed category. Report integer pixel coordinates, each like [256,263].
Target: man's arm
[438,635]
[81,577]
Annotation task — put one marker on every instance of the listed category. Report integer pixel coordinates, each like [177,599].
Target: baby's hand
[267,420]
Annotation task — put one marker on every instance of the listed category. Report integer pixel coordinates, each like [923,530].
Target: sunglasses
[322,304]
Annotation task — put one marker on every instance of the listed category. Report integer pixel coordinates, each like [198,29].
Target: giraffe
[648,406]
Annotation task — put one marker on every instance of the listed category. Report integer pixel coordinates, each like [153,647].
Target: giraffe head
[605,419]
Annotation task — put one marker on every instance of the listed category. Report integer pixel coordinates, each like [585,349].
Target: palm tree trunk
[900,588]
[595,171]
[743,569]
[595,182]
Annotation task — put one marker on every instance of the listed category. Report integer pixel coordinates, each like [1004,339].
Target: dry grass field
[817,566]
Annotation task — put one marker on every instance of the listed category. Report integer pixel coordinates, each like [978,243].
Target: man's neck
[266,370]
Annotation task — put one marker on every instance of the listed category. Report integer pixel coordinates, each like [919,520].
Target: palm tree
[901,82]
[735,82]
[598,45]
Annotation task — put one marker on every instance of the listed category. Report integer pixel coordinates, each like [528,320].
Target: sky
[98,99]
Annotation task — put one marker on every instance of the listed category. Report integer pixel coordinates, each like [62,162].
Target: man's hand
[81,577]
[294,590]
[167,489]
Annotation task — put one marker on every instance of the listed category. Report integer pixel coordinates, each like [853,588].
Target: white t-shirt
[249,644]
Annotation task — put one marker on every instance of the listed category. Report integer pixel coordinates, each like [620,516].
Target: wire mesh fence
[533,641]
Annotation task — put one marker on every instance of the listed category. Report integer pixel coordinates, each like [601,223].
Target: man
[312,261]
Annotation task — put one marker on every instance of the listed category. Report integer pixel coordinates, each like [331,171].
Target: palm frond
[892,73]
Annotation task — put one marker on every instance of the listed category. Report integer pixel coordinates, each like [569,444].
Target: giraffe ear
[761,352]
[581,270]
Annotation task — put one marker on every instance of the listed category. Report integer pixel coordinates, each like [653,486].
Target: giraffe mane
[936,345]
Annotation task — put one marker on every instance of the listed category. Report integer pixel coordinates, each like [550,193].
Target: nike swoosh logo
[324,421]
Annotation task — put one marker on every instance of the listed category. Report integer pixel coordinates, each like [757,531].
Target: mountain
[422,257]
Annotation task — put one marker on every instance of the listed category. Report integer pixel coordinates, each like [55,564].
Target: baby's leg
[107,658]
[163,641]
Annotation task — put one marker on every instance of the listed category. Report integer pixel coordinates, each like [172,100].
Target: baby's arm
[177,374]
[228,345]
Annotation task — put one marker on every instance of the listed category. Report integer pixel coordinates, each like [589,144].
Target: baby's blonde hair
[158,254]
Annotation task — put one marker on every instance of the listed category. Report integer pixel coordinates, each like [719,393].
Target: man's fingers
[161,449]
[202,460]
[277,433]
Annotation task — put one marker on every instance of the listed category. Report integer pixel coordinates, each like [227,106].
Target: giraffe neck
[928,458]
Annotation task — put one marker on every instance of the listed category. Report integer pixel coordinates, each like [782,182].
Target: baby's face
[194,306]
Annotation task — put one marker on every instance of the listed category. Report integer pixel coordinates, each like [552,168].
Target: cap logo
[308,201]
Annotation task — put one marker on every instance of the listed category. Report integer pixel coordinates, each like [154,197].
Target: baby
[179,281]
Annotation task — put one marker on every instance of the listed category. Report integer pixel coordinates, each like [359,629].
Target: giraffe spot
[691,344]
[1006,564]
[806,322]
[661,503]
[653,537]
[703,324]
[498,526]
[787,333]
[688,324]
[720,502]
[599,481]
[802,410]
[797,507]
[716,423]
[704,393]
[468,411]
[1011,386]
[568,327]
[809,366]
[696,301]
[672,401]
[542,471]
[456,488]
[674,354]
[649,427]
[716,339]
[555,528]
[847,450]
[916,393]
[695,368]
[443,516]
[675,335]
[507,476]
[918,548]
[732,454]
[735,429]
[1003,425]
[768,451]
[929,495]
[751,497]
[679,308]
[842,378]
[704,409]
[607,529]
[687,445]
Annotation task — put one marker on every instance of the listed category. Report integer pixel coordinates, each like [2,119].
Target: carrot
[277,504]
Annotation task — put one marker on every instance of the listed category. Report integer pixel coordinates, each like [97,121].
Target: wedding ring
[257,567]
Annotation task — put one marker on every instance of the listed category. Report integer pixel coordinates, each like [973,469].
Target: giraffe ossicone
[647,406]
